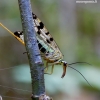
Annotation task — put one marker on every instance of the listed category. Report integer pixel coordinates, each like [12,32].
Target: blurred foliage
[87,22]
[78,39]
[88,34]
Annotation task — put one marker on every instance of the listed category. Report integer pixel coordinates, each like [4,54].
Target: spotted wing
[46,36]
[43,47]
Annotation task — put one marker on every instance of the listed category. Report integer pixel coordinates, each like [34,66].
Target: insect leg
[51,70]
[46,68]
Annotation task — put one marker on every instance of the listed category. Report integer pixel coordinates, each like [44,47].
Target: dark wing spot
[51,39]
[38,27]
[34,16]
[39,45]
[18,33]
[48,41]
[41,48]
[21,32]
[41,25]
[47,33]
[38,32]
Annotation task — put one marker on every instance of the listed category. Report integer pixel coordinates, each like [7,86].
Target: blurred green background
[75,28]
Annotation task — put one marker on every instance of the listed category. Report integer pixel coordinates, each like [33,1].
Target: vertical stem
[36,65]
[0,97]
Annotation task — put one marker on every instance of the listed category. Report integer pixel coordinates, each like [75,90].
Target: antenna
[79,62]
[11,33]
[81,75]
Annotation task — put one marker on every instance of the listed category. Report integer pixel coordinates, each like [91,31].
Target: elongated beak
[64,69]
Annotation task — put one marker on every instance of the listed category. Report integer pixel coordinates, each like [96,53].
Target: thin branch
[0,97]
[36,65]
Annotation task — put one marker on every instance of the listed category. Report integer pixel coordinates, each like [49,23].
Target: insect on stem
[47,46]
